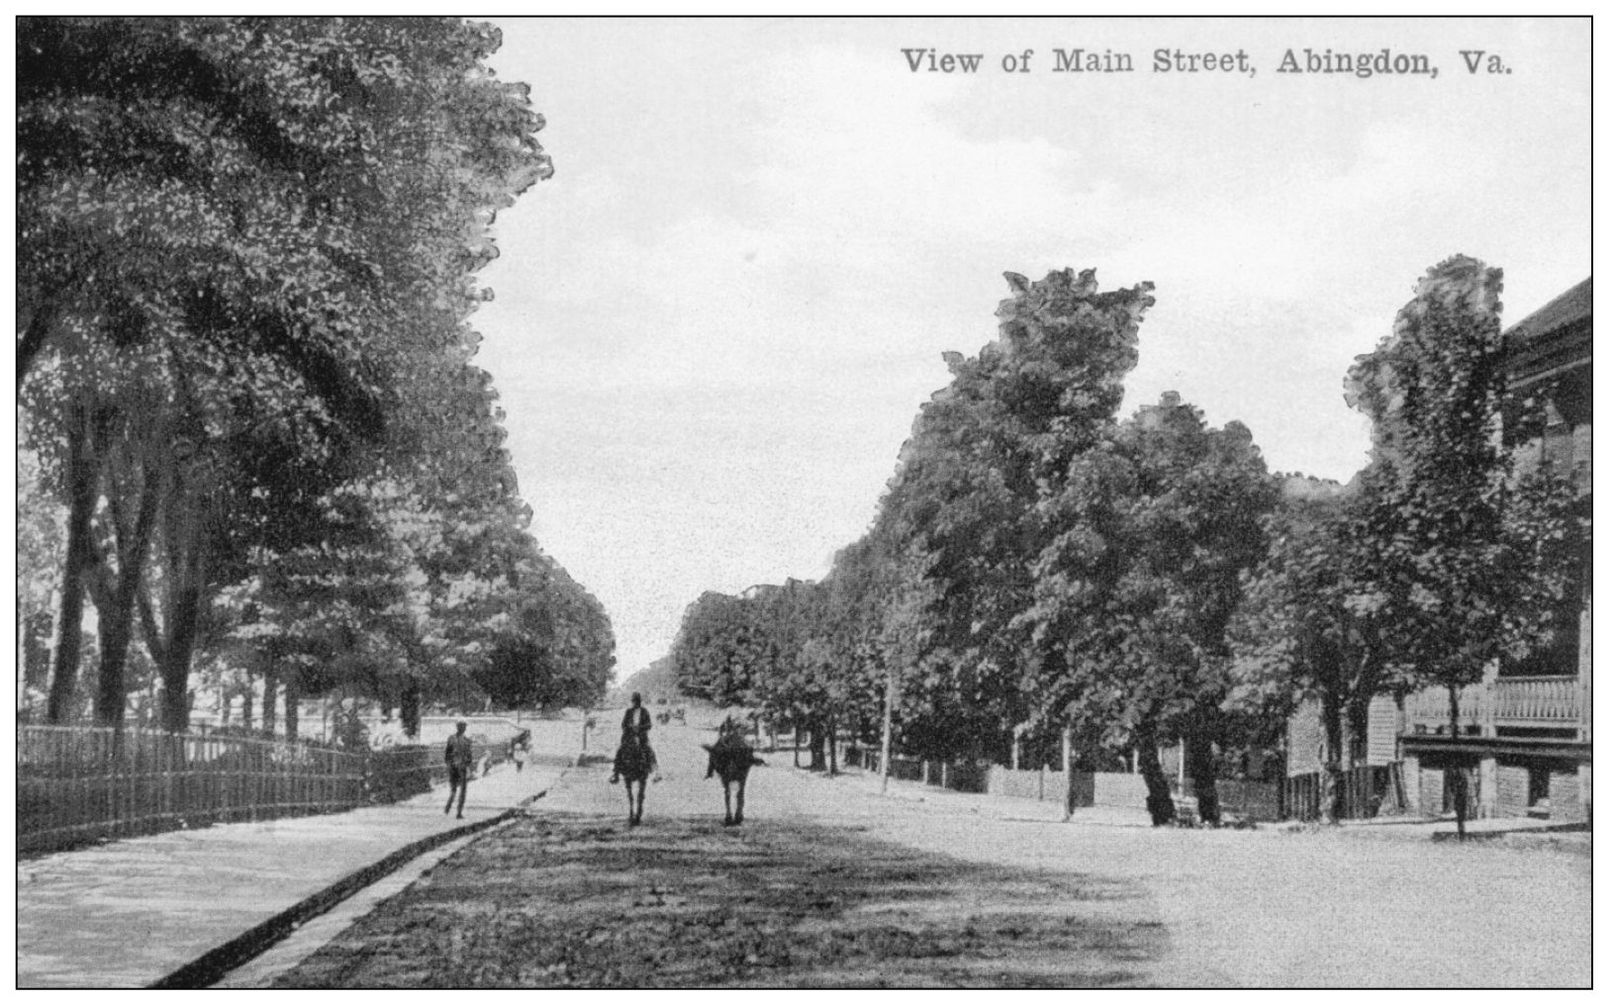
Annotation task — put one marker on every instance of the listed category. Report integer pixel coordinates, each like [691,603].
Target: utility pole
[1070,773]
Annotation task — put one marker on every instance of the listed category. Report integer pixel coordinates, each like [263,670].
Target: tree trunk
[81,488]
[36,650]
[833,752]
[1329,776]
[796,740]
[38,331]
[271,683]
[293,691]
[409,709]
[117,623]
[1202,769]
[184,616]
[1460,789]
[816,744]
[188,537]
[1158,797]
[246,705]
[1355,739]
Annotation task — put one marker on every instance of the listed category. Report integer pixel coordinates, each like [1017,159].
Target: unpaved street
[829,884]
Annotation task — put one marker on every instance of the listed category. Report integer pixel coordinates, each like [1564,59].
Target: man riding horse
[635,738]
[731,759]
[635,760]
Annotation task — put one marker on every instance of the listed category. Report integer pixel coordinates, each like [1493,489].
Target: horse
[634,763]
[731,758]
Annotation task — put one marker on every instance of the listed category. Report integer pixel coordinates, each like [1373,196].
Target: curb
[213,965]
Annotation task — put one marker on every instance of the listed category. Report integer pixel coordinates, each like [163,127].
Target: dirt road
[829,884]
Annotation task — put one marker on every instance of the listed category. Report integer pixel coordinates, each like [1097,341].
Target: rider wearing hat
[635,731]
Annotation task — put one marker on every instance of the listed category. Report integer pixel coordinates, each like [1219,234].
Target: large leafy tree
[985,450]
[1136,588]
[863,593]
[1472,558]
[718,647]
[556,648]
[231,226]
[1313,621]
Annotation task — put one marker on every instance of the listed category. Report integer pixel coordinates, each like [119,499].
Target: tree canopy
[1038,565]
[247,251]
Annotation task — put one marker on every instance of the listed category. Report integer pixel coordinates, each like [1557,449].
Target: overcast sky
[715,325]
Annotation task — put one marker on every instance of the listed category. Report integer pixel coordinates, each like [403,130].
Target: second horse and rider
[730,759]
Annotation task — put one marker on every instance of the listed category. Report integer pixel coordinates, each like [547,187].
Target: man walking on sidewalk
[459,757]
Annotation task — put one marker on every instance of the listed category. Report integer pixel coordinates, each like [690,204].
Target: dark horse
[635,762]
[731,758]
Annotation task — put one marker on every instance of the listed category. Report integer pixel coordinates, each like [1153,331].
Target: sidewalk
[1512,832]
[126,913]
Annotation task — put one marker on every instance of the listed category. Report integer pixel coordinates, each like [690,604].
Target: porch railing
[1543,700]
[1548,698]
[1429,708]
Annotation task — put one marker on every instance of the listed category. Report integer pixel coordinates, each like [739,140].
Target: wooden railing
[1548,698]
[1431,709]
[1553,700]
[81,784]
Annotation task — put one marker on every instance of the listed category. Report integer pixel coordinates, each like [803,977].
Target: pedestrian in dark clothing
[459,757]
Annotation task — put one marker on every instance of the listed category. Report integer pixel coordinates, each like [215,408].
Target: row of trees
[1040,566]
[254,436]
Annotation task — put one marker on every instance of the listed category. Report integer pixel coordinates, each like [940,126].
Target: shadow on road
[564,900]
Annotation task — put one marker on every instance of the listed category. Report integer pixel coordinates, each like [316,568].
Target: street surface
[831,884]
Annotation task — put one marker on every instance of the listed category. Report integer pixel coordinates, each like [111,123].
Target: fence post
[127,809]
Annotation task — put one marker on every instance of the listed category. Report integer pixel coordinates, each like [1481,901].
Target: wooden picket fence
[81,784]
[1359,793]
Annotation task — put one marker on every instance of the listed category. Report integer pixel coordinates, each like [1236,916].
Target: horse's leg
[740,799]
[628,788]
[639,811]
[728,815]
